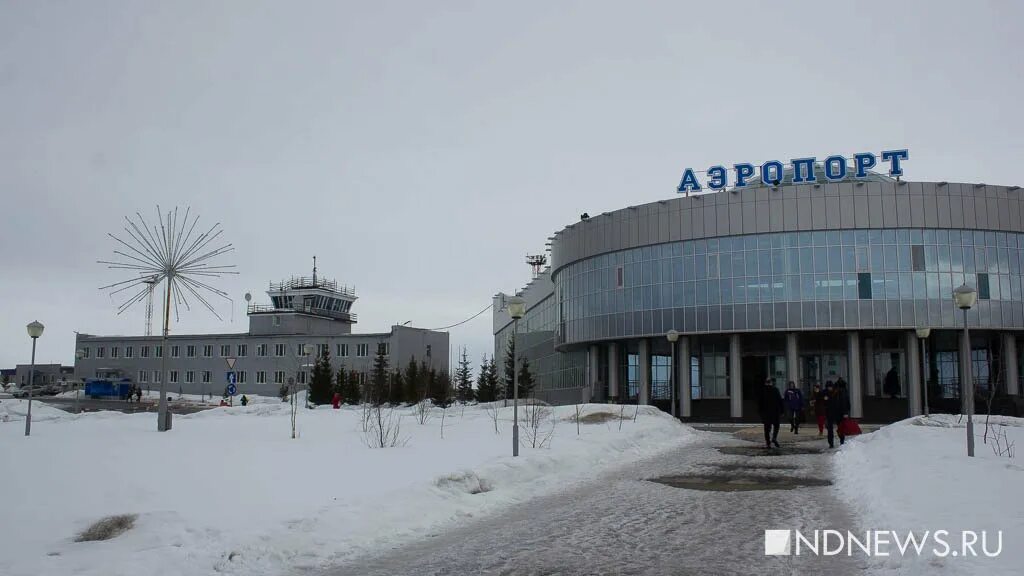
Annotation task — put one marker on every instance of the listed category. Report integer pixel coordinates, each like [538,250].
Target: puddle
[738,482]
[752,466]
[786,450]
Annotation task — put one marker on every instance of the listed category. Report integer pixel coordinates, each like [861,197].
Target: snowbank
[915,475]
[228,490]
[14,409]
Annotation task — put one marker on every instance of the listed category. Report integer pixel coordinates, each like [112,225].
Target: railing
[268,309]
[298,282]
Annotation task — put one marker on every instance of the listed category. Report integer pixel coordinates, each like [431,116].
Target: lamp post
[964,297]
[516,309]
[673,336]
[922,335]
[35,330]
[79,354]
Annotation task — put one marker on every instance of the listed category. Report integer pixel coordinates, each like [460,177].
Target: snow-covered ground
[915,475]
[228,490]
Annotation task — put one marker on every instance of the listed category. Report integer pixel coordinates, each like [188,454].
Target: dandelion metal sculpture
[175,254]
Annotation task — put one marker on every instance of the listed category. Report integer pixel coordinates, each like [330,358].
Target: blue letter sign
[773,172]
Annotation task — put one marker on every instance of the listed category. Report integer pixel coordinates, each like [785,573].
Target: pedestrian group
[831,409]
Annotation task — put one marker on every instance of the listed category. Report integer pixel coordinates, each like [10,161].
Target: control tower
[311,297]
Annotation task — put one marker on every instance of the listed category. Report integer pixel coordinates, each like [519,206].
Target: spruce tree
[510,367]
[354,393]
[492,380]
[379,379]
[463,380]
[525,379]
[396,388]
[321,387]
[411,380]
[340,382]
[442,392]
[484,386]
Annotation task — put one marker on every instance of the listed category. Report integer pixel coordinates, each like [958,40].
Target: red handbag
[849,427]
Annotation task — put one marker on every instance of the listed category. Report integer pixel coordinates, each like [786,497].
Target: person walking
[794,400]
[769,407]
[245,400]
[138,394]
[838,408]
[818,397]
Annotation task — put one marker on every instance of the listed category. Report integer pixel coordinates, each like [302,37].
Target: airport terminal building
[307,315]
[809,281]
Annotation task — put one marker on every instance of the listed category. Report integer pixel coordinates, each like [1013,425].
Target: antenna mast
[537,262]
[151,283]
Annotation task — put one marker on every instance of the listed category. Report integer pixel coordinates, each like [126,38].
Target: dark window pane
[864,285]
[917,258]
[983,290]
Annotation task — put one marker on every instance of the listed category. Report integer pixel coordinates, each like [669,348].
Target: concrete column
[869,367]
[735,377]
[856,383]
[683,376]
[914,395]
[613,372]
[792,359]
[1010,361]
[593,370]
[644,394]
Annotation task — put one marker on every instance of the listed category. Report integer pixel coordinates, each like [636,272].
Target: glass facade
[535,341]
[840,279]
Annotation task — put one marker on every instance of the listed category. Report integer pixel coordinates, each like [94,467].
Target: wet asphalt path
[623,523]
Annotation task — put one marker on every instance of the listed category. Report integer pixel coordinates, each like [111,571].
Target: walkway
[622,523]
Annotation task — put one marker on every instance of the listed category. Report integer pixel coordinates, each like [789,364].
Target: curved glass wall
[877,278]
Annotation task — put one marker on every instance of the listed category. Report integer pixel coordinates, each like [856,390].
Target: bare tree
[1001,443]
[444,412]
[579,410]
[993,389]
[422,411]
[491,409]
[539,425]
[385,428]
[622,414]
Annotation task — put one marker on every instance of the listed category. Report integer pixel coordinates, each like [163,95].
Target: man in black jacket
[769,407]
[837,407]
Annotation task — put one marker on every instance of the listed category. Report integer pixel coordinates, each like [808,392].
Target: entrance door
[755,372]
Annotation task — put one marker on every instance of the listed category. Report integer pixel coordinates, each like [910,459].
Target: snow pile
[915,475]
[228,490]
[12,409]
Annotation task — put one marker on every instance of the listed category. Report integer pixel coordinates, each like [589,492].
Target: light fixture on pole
[964,297]
[79,354]
[35,330]
[673,337]
[516,309]
[922,335]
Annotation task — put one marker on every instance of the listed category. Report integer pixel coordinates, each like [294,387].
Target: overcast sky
[421,149]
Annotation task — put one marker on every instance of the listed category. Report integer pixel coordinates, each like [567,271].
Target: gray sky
[421,149]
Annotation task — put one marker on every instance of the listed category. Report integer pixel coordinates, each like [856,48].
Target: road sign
[232,390]
[231,363]
[232,378]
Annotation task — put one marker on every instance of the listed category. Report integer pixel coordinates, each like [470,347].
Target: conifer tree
[510,367]
[341,381]
[320,384]
[463,380]
[378,386]
[525,379]
[356,389]
[441,392]
[396,388]
[411,380]
[484,385]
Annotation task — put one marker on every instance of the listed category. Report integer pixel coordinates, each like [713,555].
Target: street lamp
[964,297]
[922,335]
[35,330]
[673,336]
[79,354]
[516,309]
